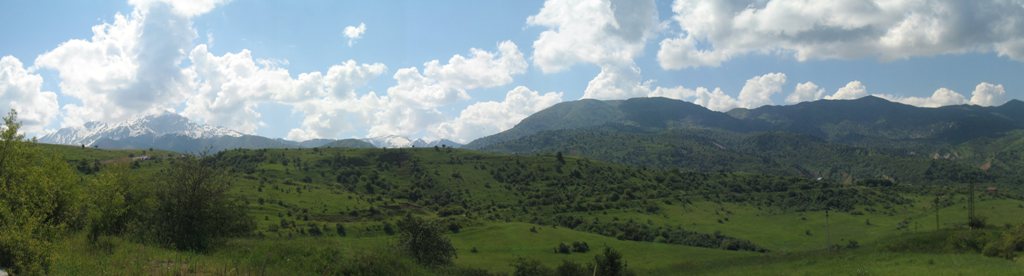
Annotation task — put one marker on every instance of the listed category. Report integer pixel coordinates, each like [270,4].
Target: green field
[508,207]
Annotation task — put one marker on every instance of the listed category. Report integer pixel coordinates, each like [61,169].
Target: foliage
[193,208]
[610,263]
[38,202]
[424,241]
[529,267]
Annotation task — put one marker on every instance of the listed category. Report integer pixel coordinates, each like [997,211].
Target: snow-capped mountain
[389,141]
[155,125]
[395,141]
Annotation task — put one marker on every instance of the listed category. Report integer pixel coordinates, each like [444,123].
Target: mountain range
[170,131]
[839,139]
[868,137]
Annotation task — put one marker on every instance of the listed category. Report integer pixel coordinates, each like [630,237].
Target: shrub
[193,209]
[610,263]
[852,244]
[570,268]
[39,201]
[340,229]
[578,246]
[529,267]
[562,248]
[424,241]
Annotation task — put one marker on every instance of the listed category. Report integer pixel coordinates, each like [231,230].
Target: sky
[466,69]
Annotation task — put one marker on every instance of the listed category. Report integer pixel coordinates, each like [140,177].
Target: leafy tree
[38,202]
[108,202]
[193,208]
[424,241]
[610,263]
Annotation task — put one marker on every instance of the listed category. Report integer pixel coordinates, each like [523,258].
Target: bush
[569,268]
[1007,245]
[610,263]
[967,241]
[193,209]
[529,267]
[581,247]
[39,201]
[562,248]
[424,241]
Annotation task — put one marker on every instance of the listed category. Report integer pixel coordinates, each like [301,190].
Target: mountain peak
[1015,103]
[155,124]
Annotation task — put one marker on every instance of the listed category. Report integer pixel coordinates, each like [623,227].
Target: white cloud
[608,33]
[128,67]
[852,90]
[714,31]
[715,99]
[757,91]
[444,84]
[22,90]
[410,107]
[230,87]
[485,118]
[987,94]
[805,92]
[187,8]
[941,97]
[354,33]
[617,82]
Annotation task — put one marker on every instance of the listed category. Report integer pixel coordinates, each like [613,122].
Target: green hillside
[498,208]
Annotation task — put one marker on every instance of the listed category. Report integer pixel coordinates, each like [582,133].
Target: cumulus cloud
[22,90]
[484,118]
[715,31]
[442,84]
[230,87]
[805,92]
[987,94]
[852,90]
[608,33]
[757,91]
[188,8]
[617,82]
[128,67]
[410,107]
[354,33]
[715,99]
[941,97]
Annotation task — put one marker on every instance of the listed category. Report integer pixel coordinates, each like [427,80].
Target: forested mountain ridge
[837,139]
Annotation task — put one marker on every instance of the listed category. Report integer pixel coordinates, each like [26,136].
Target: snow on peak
[394,141]
[159,124]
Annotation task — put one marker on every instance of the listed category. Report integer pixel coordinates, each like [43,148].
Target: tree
[193,208]
[529,267]
[570,268]
[610,263]
[424,241]
[38,201]
[560,158]
[109,204]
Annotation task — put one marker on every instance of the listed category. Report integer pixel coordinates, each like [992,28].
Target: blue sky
[766,49]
